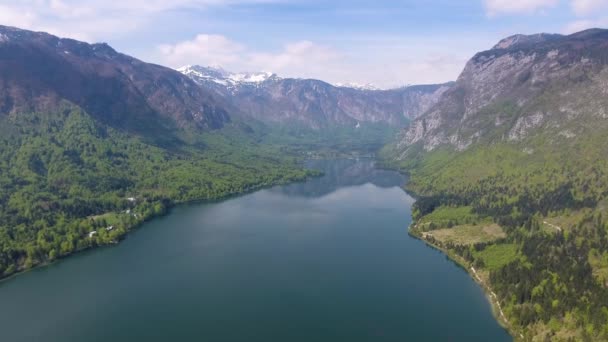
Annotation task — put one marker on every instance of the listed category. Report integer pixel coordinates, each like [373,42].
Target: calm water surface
[326,260]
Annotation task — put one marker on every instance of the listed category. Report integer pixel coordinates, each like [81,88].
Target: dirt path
[559,229]
[502,314]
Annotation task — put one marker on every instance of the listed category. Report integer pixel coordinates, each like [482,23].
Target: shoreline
[491,297]
[166,212]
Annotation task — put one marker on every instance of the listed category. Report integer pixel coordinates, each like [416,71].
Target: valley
[96,142]
[326,259]
[507,168]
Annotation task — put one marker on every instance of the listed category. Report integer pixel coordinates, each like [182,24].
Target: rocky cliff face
[38,71]
[314,103]
[523,86]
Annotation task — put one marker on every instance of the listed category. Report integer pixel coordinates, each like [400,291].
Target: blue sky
[387,43]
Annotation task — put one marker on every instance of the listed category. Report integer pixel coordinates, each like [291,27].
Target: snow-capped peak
[359,86]
[251,77]
[218,75]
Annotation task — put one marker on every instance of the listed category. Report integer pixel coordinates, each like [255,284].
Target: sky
[387,43]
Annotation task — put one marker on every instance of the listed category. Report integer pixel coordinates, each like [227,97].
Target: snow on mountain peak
[250,77]
[218,75]
[359,86]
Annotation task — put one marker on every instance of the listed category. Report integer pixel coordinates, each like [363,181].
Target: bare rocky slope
[524,85]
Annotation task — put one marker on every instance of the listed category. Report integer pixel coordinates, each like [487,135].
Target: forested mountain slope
[94,142]
[511,172]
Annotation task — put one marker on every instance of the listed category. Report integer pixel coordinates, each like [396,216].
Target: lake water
[325,260]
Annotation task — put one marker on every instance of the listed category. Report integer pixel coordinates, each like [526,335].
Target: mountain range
[511,156]
[313,103]
[39,70]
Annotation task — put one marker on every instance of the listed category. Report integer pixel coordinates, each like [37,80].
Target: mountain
[511,177]
[38,71]
[313,103]
[522,40]
[524,84]
[212,76]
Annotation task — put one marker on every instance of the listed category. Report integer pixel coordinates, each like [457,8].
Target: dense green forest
[69,183]
[548,264]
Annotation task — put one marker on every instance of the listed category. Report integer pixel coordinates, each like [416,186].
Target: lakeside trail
[493,294]
[502,314]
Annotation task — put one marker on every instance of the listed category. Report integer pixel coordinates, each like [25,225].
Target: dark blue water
[326,260]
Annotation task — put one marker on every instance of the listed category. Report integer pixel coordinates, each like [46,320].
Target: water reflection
[340,174]
[329,260]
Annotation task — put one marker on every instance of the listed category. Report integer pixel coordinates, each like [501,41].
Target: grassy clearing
[110,218]
[496,256]
[448,217]
[566,220]
[469,234]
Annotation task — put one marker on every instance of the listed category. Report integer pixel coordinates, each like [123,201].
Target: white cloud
[95,20]
[11,16]
[587,7]
[383,62]
[206,49]
[302,58]
[362,59]
[592,14]
[498,7]
[583,24]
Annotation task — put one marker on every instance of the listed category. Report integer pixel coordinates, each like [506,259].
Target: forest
[550,279]
[68,183]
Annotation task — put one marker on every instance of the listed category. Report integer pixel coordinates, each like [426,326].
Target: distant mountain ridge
[217,74]
[205,75]
[314,103]
[39,71]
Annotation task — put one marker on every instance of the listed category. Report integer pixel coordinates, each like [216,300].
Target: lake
[325,260]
